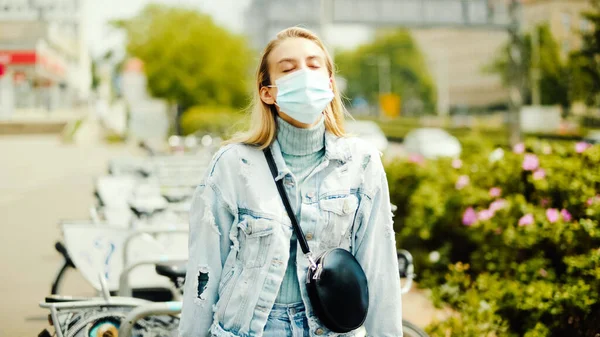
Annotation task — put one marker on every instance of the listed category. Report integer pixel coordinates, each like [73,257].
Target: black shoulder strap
[286,202]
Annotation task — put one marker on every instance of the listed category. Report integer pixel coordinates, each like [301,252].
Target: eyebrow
[291,60]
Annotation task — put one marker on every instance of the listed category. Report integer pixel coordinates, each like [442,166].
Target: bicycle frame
[174,308]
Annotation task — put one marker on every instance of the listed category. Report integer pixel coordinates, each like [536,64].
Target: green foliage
[585,63]
[553,87]
[408,73]
[220,121]
[189,59]
[95,77]
[507,276]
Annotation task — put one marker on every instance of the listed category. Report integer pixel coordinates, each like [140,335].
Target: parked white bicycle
[123,316]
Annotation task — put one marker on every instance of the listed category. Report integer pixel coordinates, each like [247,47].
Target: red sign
[18,57]
[31,58]
[2,69]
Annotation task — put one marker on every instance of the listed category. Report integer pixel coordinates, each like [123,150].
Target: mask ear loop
[273,86]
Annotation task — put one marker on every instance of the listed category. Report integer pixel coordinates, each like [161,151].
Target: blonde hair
[263,128]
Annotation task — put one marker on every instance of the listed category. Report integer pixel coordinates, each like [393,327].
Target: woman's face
[294,54]
[289,56]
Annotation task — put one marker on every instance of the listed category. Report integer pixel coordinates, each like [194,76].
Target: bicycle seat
[175,196]
[405,260]
[172,271]
[147,208]
[62,299]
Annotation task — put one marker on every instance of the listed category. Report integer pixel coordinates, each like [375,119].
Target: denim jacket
[240,235]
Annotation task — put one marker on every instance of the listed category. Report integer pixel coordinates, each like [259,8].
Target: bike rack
[165,308]
[124,288]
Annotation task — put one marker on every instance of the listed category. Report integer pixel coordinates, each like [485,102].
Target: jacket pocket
[339,214]
[255,238]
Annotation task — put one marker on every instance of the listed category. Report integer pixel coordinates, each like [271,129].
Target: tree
[553,87]
[585,63]
[407,71]
[188,59]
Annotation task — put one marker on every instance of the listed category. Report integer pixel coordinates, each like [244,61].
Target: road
[41,182]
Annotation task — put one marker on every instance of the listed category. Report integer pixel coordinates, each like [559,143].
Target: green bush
[523,261]
[222,121]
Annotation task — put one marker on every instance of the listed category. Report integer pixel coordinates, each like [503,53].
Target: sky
[229,13]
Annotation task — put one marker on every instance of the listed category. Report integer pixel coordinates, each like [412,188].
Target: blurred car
[432,143]
[593,137]
[369,131]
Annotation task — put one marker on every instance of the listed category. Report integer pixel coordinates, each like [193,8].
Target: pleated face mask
[303,95]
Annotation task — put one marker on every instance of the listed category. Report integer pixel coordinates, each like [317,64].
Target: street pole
[385,81]
[443,91]
[324,16]
[535,67]
[516,86]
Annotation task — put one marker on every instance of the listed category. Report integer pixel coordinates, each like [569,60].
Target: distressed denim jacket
[240,235]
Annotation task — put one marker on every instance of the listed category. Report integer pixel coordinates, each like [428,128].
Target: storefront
[35,77]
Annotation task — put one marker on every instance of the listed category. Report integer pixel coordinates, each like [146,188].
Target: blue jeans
[287,320]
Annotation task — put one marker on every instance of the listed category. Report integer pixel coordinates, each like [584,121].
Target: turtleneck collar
[300,142]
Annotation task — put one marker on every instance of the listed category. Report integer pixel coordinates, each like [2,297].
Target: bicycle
[407,271]
[126,317]
[104,316]
[117,251]
[136,214]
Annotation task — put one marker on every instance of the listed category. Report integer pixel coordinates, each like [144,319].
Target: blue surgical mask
[303,95]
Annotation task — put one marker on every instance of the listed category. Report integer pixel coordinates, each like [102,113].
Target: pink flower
[530,162]
[469,217]
[498,205]
[566,215]
[462,182]
[543,273]
[417,159]
[592,200]
[539,174]
[545,202]
[547,149]
[581,146]
[552,215]
[495,192]
[526,220]
[519,148]
[485,214]
[457,163]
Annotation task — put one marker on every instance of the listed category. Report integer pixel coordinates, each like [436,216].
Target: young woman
[246,274]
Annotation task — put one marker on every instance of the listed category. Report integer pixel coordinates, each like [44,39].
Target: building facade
[457,57]
[42,51]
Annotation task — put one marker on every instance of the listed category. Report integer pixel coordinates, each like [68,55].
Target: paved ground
[41,182]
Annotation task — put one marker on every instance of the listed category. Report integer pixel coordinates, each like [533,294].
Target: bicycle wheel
[411,330]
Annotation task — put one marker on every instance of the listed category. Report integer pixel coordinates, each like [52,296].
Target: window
[584,25]
[566,21]
[566,46]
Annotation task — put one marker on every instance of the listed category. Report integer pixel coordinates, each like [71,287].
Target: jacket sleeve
[376,252]
[209,244]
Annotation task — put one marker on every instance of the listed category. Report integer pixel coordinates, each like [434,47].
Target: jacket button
[319,331]
[346,207]
[309,236]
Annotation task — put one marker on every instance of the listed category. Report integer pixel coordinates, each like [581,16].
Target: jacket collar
[336,148]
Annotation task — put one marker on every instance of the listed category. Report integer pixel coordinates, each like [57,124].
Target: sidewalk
[38,121]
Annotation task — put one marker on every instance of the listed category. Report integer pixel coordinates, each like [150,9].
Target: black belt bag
[336,283]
